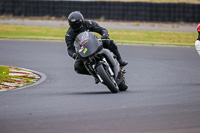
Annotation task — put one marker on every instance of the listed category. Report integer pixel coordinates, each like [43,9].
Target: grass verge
[4,73]
[120,36]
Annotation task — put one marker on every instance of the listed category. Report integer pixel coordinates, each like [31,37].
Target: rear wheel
[123,86]
[108,80]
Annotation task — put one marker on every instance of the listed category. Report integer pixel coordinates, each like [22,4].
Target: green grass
[120,36]
[31,32]
[155,37]
[4,73]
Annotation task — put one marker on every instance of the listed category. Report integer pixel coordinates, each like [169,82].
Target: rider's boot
[115,50]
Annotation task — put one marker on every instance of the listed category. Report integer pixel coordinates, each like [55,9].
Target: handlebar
[103,39]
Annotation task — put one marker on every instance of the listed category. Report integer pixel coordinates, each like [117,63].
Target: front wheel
[108,80]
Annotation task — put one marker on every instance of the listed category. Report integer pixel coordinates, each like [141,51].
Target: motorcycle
[100,62]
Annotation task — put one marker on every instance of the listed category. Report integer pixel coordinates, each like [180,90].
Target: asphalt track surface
[163,94]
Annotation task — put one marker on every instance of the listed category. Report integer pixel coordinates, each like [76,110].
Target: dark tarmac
[163,94]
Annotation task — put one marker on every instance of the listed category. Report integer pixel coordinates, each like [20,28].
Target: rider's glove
[105,36]
[74,56]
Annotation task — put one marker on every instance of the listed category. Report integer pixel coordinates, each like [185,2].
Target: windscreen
[86,44]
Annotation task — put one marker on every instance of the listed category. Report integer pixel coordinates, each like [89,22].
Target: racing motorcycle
[100,62]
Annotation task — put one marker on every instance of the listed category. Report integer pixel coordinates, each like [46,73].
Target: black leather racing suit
[87,26]
[72,34]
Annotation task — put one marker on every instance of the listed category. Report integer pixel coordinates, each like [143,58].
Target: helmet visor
[75,25]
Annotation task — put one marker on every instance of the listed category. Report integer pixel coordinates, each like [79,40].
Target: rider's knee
[77,68]
[78,71]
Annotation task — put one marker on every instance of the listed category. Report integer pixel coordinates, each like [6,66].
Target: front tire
[108,80]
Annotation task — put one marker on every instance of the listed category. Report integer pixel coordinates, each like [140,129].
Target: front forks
[108,67]
[109,70]
[91,65]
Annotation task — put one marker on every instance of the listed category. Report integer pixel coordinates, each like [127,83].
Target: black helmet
[75,20]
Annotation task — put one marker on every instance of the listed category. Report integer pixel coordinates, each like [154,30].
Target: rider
[197,42]
[77,25]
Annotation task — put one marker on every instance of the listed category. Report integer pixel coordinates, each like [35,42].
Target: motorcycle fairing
[86,44]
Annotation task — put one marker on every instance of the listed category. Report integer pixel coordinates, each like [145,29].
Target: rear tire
[123,85]
[107,79]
